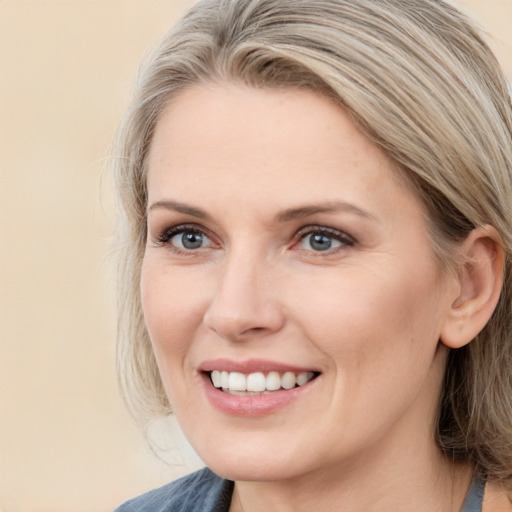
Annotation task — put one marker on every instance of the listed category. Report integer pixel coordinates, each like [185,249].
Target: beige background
[66,69]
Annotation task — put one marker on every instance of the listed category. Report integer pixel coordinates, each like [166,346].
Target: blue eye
[190,240]
[184,238]
[319,242]
[322,240]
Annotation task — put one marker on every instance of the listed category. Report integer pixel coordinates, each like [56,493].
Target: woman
[315,264]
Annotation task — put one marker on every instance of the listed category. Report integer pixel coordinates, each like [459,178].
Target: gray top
[204,491]
[475,496]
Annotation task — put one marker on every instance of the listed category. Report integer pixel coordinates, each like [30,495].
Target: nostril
[256,329]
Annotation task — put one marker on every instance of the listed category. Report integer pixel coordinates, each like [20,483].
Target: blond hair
[419,81]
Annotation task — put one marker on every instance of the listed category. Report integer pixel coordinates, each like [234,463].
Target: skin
[368,314]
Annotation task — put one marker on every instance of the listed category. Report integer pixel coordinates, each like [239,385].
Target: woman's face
[286,254]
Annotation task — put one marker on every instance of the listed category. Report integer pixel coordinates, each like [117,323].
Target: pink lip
[250,366]
[256,405]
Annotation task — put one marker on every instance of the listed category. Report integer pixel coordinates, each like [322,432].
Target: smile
[258,383]
[255,387]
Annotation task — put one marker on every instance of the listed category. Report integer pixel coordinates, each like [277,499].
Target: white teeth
[304,377]
[237,383]
[273,382]
[288,380]
[256,382]
[216,379]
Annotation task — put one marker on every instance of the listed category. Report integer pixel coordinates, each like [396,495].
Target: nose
[245,303]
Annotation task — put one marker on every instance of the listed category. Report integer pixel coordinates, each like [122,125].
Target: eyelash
[344,239]
[165,237]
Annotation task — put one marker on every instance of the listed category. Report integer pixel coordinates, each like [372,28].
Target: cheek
[381,336]
[172,312]
[366,319]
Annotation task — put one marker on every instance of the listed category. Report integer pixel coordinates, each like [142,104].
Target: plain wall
[66,72]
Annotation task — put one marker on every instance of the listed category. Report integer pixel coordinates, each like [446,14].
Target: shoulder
[497,499]
[201,491]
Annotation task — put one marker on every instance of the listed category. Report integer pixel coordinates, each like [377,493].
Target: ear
[480,279]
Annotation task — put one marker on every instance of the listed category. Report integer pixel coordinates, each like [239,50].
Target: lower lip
[255,405]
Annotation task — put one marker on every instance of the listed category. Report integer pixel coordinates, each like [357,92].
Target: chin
[254,470]
[250,459]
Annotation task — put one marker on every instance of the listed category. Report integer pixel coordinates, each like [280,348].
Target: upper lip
[251,366]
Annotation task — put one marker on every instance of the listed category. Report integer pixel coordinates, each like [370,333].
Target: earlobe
[480,281]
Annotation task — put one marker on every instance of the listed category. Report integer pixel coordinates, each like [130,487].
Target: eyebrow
[181,208]
[282,217]
[329,207]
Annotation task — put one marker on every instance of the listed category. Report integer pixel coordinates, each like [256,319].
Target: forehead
[227,120]
[224,138]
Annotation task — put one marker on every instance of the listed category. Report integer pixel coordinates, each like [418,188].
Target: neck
[419,479]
